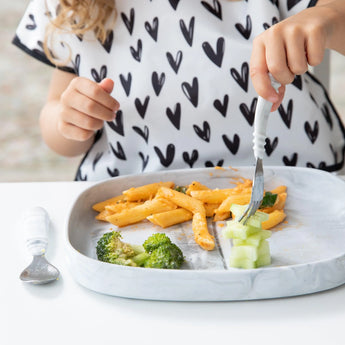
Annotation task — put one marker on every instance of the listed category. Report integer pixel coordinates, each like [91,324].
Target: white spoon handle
[36,224]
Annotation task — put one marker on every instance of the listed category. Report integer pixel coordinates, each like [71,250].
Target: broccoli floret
[111,249]
[155,241]
[168,255]
[157,252]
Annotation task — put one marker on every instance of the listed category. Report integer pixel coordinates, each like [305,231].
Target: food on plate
[156,252]
[250,246]
[165,204]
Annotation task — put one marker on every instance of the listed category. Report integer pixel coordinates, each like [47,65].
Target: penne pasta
[145,192]
[169,218]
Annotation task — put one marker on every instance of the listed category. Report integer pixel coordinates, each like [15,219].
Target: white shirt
[181,72]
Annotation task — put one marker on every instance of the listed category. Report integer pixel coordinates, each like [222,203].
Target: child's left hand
[287,48]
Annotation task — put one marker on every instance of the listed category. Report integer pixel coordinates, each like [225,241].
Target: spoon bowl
[40,271]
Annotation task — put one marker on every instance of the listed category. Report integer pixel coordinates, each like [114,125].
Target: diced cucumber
[264,256]
[250,246]
[241,263]
[254,239]
[237,230]
[244,253]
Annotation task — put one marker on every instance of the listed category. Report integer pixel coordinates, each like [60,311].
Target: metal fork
[262,111]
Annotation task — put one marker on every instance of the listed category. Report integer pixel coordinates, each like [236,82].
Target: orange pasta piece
[201,235]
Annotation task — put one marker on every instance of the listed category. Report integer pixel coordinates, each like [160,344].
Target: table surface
[65,312]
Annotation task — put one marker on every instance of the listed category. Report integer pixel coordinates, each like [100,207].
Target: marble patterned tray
[308,252]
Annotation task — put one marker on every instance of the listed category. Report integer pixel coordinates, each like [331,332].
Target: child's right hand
[84,106]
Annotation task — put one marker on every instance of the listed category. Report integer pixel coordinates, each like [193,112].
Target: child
[164,84]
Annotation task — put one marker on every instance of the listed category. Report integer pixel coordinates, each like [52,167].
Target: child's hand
[286,49]
[84,106]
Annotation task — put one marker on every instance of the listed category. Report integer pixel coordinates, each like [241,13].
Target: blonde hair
[79,16]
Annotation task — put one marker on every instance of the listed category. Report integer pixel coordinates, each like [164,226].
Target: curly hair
[79,16]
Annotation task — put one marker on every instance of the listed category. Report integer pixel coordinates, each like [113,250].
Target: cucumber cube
[244,253]
[237,230]
[241,263]
[264,256]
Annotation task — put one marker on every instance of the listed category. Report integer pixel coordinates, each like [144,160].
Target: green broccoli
[168,255]
[155,241]
[157,251]
[111,249]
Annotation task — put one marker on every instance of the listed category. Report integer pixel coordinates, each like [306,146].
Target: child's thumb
[107,85]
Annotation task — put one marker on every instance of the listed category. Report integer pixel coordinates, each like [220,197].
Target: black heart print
[190,159]
[241,79]
[312,133]
[297,82]
[291,162]
[152,29]
[245,31]
[327,115]
[129,22]
[175,63]
[142,107]
[203,133]
[108,43]
[249,114]
[136,53]
[286,115]
[113,173]
[79,176]
[274,21]
[188,34]
[222,107]
[98,156]
[275,2]
[117,124]
[313,99]
[209,164]
[270,146]
[216,9]
[232,145]
[33,24]
[144,159]
[175,116]
[215,56]
[174,3]
[144,133]
[118,152]
[292,3]
[126,83]
[76,64]
[98,77]
[157,82]
[168,158]
[191,91]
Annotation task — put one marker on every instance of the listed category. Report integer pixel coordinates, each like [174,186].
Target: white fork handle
[36,224]
[262,112]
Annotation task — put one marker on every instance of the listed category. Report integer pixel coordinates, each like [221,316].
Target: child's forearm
[335,10]
[54,139]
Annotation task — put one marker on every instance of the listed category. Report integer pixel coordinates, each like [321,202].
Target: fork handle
[36,224]
[262,112]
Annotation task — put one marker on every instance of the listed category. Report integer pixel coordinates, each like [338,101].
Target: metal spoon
[36,224]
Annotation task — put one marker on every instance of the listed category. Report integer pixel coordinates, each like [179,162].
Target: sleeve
[31,31]
[288,8]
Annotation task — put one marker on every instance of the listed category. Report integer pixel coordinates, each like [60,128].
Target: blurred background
[23,89]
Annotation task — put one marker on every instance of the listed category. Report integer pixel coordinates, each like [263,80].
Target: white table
[66,313]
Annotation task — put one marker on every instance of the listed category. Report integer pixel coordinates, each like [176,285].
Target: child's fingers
[95,92]
[81,120]
[107,85]
[315,47]
[276,57]
[296,52]
[75,133]
[259,73]
[82,103]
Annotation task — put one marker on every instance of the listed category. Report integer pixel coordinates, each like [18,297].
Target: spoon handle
[36,224]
